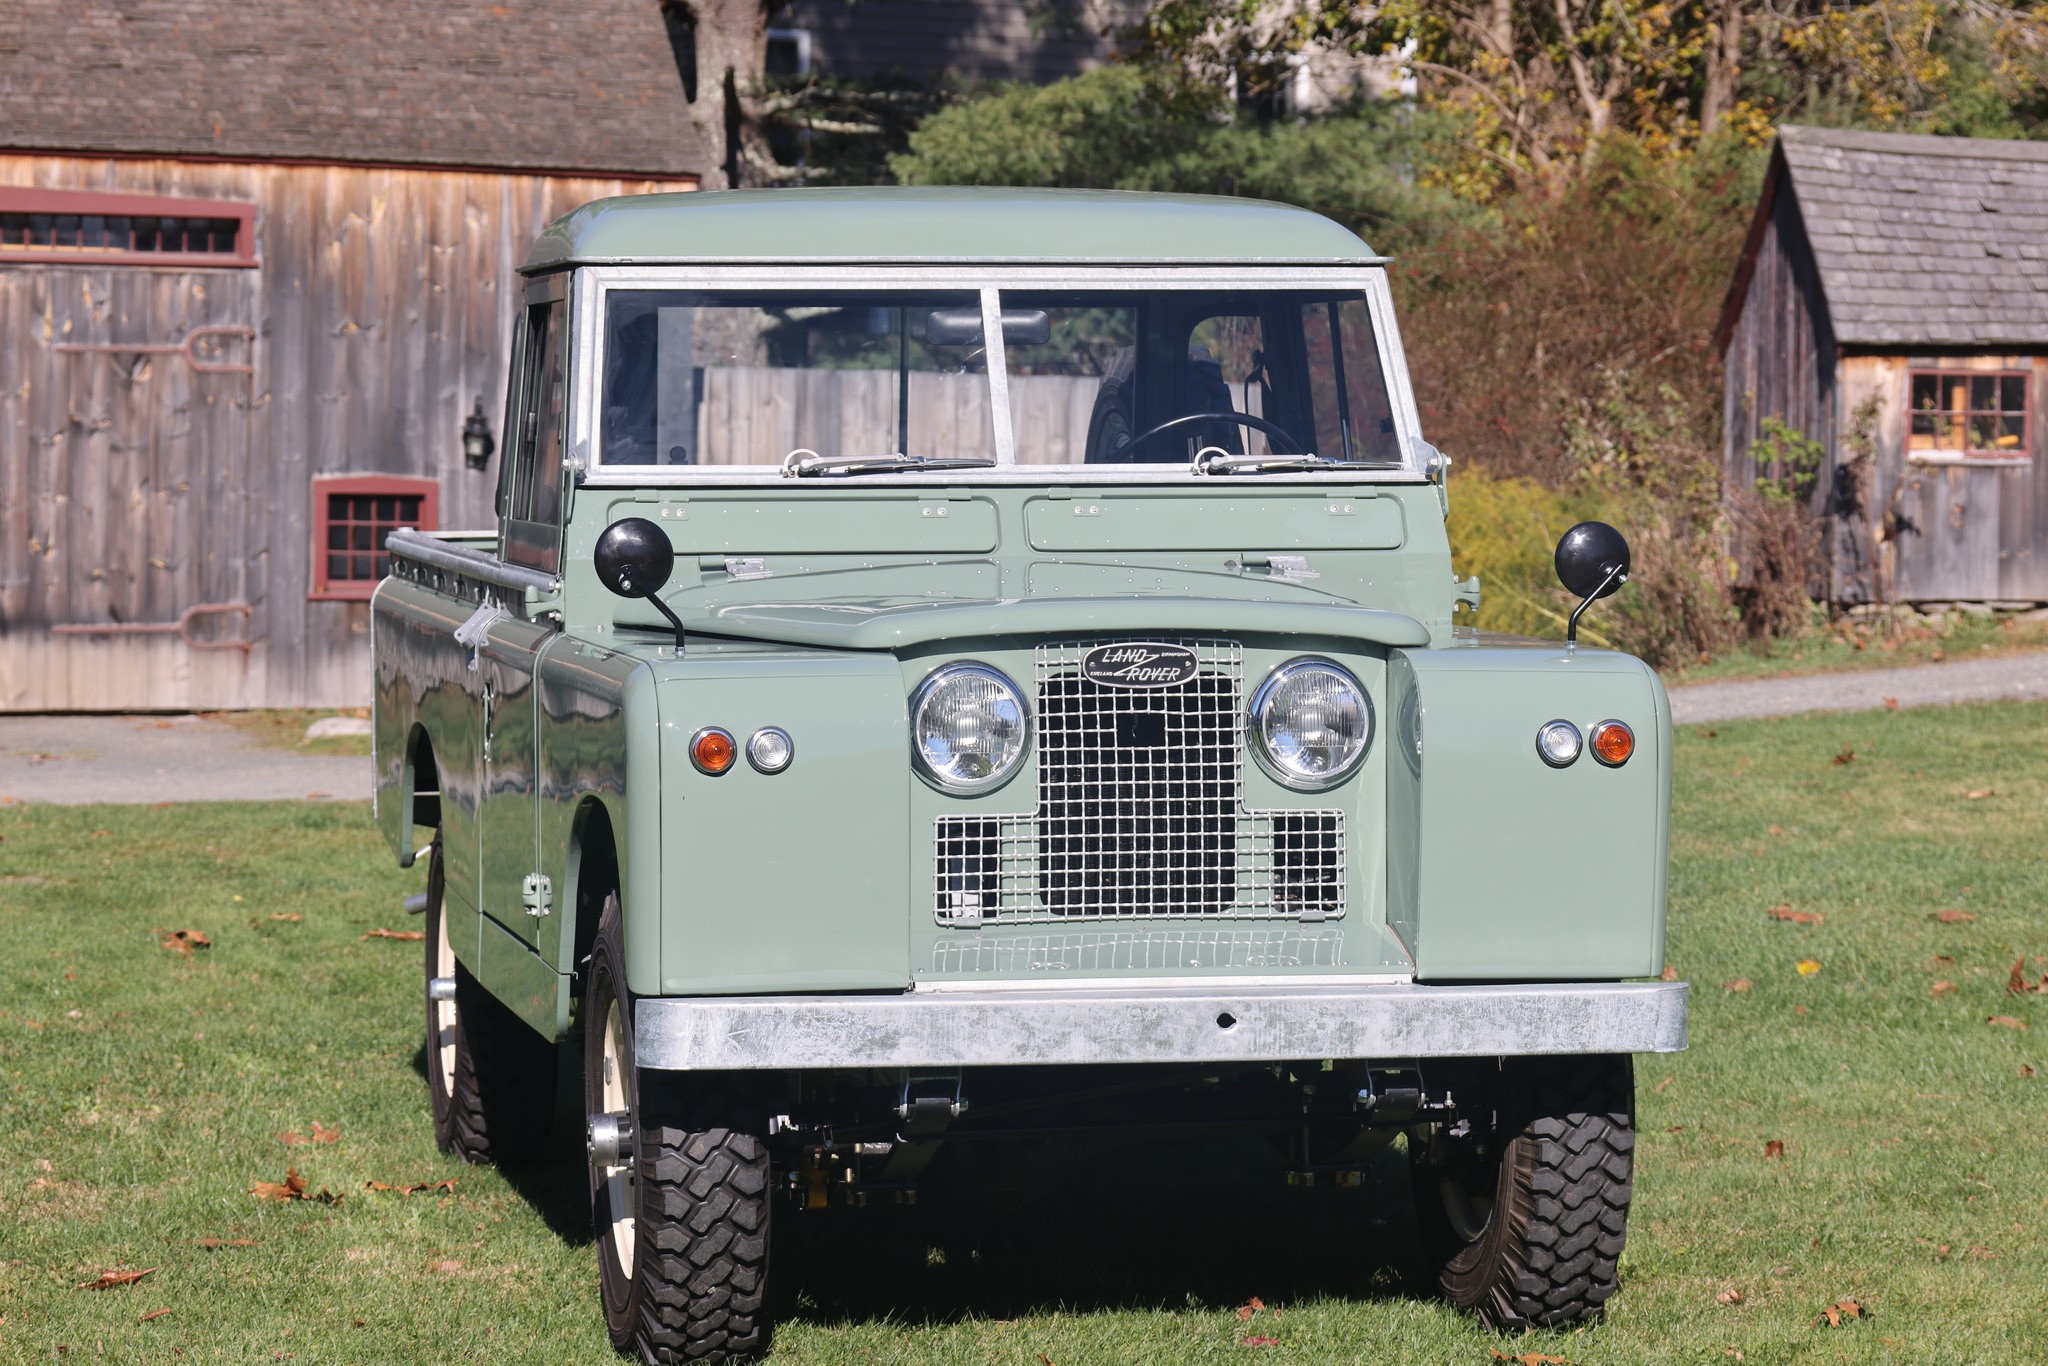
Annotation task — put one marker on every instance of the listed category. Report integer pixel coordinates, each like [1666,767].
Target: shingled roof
[514,84]
[1921,240]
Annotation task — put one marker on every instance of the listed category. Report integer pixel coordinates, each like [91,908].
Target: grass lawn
[144,1090]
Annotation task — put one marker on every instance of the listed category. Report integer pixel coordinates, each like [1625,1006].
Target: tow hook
[440,988]
[610,1140]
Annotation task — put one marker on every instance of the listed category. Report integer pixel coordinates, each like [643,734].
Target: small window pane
[382,565]
[337,507]
[1926,393]
[409,510]
[1982,435]
[1983,393]
[2012,393]
[337,537]
[387,509]
[362,537]
[337,568]
[362,509]
[360,564]
[2012,435]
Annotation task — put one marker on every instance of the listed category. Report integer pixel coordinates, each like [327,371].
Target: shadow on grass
[1198,1222]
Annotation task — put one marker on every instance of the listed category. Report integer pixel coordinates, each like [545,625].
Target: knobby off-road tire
[490,1077]
[1525,1217]
[682,1228]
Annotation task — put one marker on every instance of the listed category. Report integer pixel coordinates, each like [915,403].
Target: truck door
[530,532]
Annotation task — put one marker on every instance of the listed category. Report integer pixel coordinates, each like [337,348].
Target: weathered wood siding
[1780,360]
[132,487]
[1950,532]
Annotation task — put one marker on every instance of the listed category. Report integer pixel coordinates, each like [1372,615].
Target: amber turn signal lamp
[712,750]
[1612,743]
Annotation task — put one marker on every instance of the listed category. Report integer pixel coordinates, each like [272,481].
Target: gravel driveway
[1920,685]
[71,760]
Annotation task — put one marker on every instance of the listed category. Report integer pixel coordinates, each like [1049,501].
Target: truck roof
[906,224]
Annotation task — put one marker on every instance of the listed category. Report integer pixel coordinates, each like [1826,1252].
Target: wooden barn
[253,268]
[1891,305]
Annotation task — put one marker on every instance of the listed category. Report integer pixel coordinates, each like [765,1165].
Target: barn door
[147,505]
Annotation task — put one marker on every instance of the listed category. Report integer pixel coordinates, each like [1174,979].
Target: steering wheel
[1272,429]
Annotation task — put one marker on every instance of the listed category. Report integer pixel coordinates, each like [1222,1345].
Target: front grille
[1140,813]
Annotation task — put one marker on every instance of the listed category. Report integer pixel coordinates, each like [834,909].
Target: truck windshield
[1097,377]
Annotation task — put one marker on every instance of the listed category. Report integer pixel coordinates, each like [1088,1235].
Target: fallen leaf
[1659,1087]
[1938,655]
[210,1244]
[107,1280]
[2026,1069]
[1796,917]
[2018,985]
[323,1134]
[1979,794]
[1739,984]
[184,941]
[153,1314]
[1951,917]
[1043,1359]
[1891,704]
[395,934]
[1260,1342]
[293,1187]
[1729,1296]
[1775,1148]
[286,915]
[1808,966]
[1777,830]
[1675,1129]
[1670,974]
[1249,1308]
[1838,1313]
[448,1266]
[2006,1022]
[1944,988]
[447,1185]
[1799,1011]
[1847,756]
[1980,1254]
[291,1139]
[1530,1359]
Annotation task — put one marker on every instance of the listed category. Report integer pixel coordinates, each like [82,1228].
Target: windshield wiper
[1220,462]
[801,463]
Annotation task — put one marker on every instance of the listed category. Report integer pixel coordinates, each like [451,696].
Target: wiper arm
[1211,460]
[801,463]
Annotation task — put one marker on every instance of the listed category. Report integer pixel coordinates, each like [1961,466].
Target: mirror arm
[629,581]
[1571,630]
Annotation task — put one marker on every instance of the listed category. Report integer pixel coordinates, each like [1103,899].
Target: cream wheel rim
[443,1012]
[618,1180]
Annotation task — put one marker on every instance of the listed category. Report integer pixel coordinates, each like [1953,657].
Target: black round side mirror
[634,557]
[1592,560]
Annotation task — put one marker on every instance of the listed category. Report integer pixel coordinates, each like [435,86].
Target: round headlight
[1311,723]
[969,726]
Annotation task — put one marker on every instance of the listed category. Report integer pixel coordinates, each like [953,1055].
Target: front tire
[682,1220]
[1524,1201]
[490,1078]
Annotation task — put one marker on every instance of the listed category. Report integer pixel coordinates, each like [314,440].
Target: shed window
[1969,412]
[79,227]
[352,514]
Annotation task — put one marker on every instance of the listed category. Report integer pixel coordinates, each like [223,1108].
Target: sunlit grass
[1914,1176]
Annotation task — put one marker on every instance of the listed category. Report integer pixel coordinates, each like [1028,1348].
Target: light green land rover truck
[957,670]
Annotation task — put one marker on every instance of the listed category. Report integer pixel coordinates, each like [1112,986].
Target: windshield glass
[1097,377]
[746,378]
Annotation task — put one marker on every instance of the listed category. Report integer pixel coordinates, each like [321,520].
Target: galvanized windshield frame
[593,283]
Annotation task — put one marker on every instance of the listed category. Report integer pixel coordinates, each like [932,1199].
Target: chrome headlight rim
[1255,733]
[931,683]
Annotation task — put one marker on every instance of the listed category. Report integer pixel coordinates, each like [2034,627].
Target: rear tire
[682,1229]
[1524,1203]
[490,1077]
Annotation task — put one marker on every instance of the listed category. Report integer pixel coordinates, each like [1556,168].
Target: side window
[530,487]
[1354,418]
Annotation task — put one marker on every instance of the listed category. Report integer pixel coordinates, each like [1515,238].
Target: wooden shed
[1891,304]
[253,266]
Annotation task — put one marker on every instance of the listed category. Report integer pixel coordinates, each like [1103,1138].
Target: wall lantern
[477,442]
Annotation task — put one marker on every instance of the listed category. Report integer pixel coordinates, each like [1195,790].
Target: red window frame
[1945,378]
[358,489]
[95,204]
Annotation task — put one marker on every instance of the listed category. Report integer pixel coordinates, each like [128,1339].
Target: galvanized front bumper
[1164,1023]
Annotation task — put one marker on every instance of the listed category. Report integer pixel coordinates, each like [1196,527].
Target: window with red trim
[85,227]
[1979,413]
[352,514]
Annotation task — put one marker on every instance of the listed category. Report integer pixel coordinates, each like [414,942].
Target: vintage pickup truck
[959,667]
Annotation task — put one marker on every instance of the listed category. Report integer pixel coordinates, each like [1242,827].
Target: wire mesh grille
[1140,813]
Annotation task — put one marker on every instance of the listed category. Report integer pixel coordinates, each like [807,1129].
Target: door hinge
[537,895]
